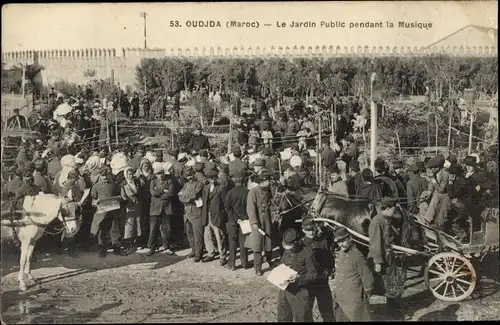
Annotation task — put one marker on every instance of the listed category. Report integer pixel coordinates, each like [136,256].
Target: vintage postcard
[282,124]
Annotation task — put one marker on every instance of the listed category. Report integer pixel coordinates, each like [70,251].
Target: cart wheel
[450,277]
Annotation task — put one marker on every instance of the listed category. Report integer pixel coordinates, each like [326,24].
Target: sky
[117,25]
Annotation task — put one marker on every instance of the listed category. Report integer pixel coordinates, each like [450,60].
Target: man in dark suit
[198,141]
[17,121]
[214,214]
[163,189]
[236,208]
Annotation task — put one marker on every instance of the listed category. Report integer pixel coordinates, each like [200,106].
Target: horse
[356,214]
[28,225]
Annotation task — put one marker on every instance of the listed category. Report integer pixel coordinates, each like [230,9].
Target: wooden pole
[437,129]
[470,132]
[172,135]
[428,134]
[116,128]
[450,118]
[373,127]
[230,140]
[23,87]
[335,114]
[332,119]
[108,135]
[318,154]
[399,145]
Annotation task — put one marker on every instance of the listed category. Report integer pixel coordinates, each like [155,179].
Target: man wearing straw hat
[353,284]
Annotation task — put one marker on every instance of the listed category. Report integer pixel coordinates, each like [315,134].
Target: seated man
[437,186]
[456,206]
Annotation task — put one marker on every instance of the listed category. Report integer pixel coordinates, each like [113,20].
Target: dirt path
[140,289]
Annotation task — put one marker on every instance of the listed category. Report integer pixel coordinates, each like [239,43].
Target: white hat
[295,161]
[447,164]
[158,167]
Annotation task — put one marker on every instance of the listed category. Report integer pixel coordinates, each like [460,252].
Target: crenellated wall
[71,64]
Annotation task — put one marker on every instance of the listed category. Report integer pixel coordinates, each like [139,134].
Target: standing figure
[259,214]
[353,284]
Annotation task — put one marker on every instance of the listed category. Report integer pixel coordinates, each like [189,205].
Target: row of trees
[443,75]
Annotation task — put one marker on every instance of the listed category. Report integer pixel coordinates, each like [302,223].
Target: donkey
[28,225]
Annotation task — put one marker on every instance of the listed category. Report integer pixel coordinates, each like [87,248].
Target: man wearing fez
[259,213]
[17,121]
[353,284]
[295,303]
[236,208]
[198,141]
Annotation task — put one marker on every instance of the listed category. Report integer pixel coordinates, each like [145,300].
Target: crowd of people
[243,201]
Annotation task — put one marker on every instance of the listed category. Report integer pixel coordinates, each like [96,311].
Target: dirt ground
[160,288]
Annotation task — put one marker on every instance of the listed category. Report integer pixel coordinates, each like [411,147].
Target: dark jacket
[369,191]
[24,190]
[191,191]
[103,190]
[213,205]
[42,182]
[198,142]
[236,204]
[328,157]
[162,195]
[272,164]
[304,263]
[242,138]
[414,189]
[353,279]
[353,183]
[323,255]
[381,236]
